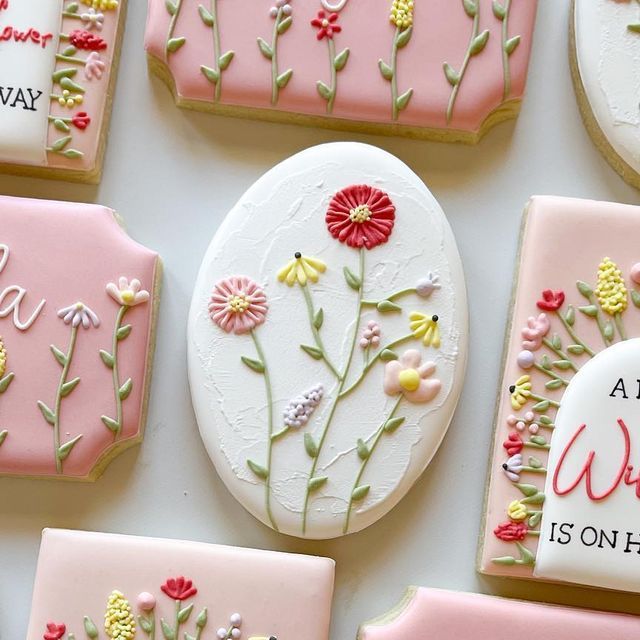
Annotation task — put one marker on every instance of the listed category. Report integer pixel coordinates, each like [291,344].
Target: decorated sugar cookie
[443,69]
[565,485]
[448,615]
[328,340]
[78,301]
[58,62]
[130,588]
[605,58]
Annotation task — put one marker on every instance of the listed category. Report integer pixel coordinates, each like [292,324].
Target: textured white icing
[282,213]
[24,66]
[587,400]
[608,56]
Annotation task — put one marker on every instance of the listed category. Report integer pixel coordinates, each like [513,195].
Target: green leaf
[341,59]
[175,43]
[635,298]
[314,352]
[61,143]
[90,628]
[608,331]
[323,90]
[387,355]
[69,51]
[6,381]
[352,280]
[183,614]
[68,387]
[283,79]
[210,74]
[534,520]
[404,37]
[47,414]
[556,342]
[526,557]
[318,319]
[545,362]
[538,440]
[634,27]
[266,50]
[61,125]
[363,450]
[451,74]
[479,43]
[471,7]
[258,469]
[171,7]
[570,316]
[111,424]
[201,620]
[546,420]
[498,10]
[505,561]
[225,59]
[253,364]
[360,493]
[317,482]
[167,631]
[576,349]
[541,406]
[123,332]
[310,446]
[73,7]
[107,358]
[385,70]
[528,489]
[535,463]
[284,25]
[562,364]
[536,499]
[125,389]
[72,154]
[584,289]
[70,85]
[206,16]
[512,44]
[3,436]
[67,447]
[188,636]
[591,310]
[386,306]
[145,624]
[392,424]
[403,100]
[553,384]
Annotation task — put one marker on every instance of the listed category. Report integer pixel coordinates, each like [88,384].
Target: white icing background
[173,175]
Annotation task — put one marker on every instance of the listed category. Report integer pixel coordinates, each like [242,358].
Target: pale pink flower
[238,305]
[411,378]
[126,293]
[94,66]
[535,331]
[77,314]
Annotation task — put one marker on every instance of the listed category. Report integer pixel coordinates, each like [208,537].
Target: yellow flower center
[79,306]
[360,214]
[127,296]
[409,379]
[238,304]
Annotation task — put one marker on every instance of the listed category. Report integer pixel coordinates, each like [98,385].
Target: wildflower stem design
[5,380]
[359,492]
[221,60]
[281,14]
[559,352]
[477,43]
[174,43]
[509,45]
[390,298]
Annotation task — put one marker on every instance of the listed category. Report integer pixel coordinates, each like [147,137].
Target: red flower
[179,588]
[81,120]
[86,40]
[513,444]
[326,25]
[54,631]
[361,215]
[551,300]
[511,531]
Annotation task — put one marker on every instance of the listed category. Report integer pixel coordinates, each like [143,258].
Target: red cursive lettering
[31,35]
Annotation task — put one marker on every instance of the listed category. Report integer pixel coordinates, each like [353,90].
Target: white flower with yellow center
[128,294]
[79,313]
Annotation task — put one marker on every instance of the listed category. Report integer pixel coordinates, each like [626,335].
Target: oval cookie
[328,340]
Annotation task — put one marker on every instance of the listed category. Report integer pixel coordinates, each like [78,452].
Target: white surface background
[173,175]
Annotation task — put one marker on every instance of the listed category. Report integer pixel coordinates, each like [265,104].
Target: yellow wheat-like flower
[119,621]
[401,14]
[102,5]
[610,291]
[3,358]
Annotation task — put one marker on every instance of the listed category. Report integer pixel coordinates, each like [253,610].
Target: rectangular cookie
[58,63]
[564,491]
[100,585]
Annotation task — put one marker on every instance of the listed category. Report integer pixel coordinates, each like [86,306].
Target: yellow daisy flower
[301,269]
[517,511]
[610,291]
[425,327]
[520,392]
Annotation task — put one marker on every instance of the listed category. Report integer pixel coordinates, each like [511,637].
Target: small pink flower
[238,305]
[94,66]
[411,378]
[370,336]
[535,331]
[146,601]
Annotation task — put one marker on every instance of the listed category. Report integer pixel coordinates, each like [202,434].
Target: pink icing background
[554,256]
[445,615]
[441,33]
[283,594]
[63,253]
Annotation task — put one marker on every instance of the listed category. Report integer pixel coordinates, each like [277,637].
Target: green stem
[505,55]
[599,322]
[268,388]
[364,463]
[69,59]
[52,118]
[275,90]
[173,22]
[533,532]
[534,469]
[58,405]
[371,362]
[394,77]
[553,403]
[334,406]
[617,317]
[535,445]
[334,75]
[391,298]
[540,368]
[574,336]
[547,343]
[216,49]
[316,333]
[114,370]
[465,63]
[177,627]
